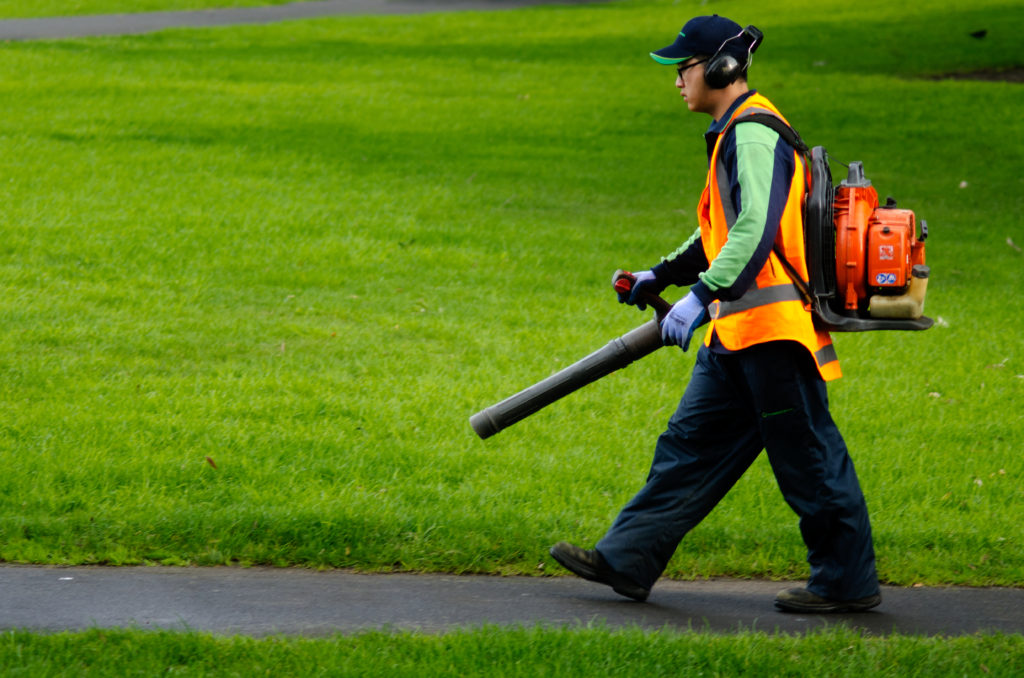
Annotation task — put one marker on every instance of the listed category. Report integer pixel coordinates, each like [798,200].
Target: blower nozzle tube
[618,353]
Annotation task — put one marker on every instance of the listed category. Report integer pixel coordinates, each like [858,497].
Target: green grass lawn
[511,652]
[255,280]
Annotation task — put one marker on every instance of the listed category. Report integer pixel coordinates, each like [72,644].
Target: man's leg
[711,440]
[813,469]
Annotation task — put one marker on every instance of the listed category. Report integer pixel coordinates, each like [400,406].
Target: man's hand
[678,326]
[644,281]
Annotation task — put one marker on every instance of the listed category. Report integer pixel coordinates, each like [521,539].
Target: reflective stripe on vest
[728,211]
[826,355]
[753,298]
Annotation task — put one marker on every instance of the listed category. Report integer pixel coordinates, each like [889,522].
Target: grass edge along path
[490,651]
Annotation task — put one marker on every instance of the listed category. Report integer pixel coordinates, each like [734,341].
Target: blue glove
[679,323]
[644,282]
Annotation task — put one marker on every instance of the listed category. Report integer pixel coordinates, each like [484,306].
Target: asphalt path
[268,601]
[49,28]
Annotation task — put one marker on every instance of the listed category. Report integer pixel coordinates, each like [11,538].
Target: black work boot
[802,600]
[591,566]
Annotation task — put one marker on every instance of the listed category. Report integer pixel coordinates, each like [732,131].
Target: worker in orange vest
[759,378]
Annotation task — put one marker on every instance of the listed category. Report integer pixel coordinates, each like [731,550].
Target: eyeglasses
[680,69]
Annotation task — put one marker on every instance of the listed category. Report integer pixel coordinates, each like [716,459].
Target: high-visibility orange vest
[772,309]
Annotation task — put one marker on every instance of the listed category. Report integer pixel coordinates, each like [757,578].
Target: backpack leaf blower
[866,268]
[865,260]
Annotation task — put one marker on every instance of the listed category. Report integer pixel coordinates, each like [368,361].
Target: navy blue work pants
[771,397]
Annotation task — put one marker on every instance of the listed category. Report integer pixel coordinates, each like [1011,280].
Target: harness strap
[800,283]
[791,137]
[788,134]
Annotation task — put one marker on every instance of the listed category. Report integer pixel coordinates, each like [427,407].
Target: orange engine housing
[876,247]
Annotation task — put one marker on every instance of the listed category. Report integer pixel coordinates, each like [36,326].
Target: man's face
[690,81]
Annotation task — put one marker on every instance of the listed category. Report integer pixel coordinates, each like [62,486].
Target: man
[759,378]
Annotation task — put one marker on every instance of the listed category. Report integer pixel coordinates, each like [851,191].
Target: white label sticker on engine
[886,252]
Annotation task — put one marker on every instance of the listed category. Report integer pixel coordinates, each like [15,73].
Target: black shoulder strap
[788,134]
[801,285]
[791,137]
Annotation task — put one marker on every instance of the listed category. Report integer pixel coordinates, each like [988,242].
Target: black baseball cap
[700,35]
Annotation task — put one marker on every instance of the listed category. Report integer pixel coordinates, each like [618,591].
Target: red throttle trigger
[623,281]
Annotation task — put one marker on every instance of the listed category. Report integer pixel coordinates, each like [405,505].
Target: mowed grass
[257,279]
[511,652]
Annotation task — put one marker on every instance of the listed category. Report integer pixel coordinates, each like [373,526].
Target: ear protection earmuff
[721,69]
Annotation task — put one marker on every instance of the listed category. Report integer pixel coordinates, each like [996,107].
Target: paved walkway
[263,601]
[123,24]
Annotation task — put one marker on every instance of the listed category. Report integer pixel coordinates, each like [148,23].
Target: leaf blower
[877,278]
[865,260]
[866,266]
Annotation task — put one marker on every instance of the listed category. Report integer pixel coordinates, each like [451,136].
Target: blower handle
[623,281]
